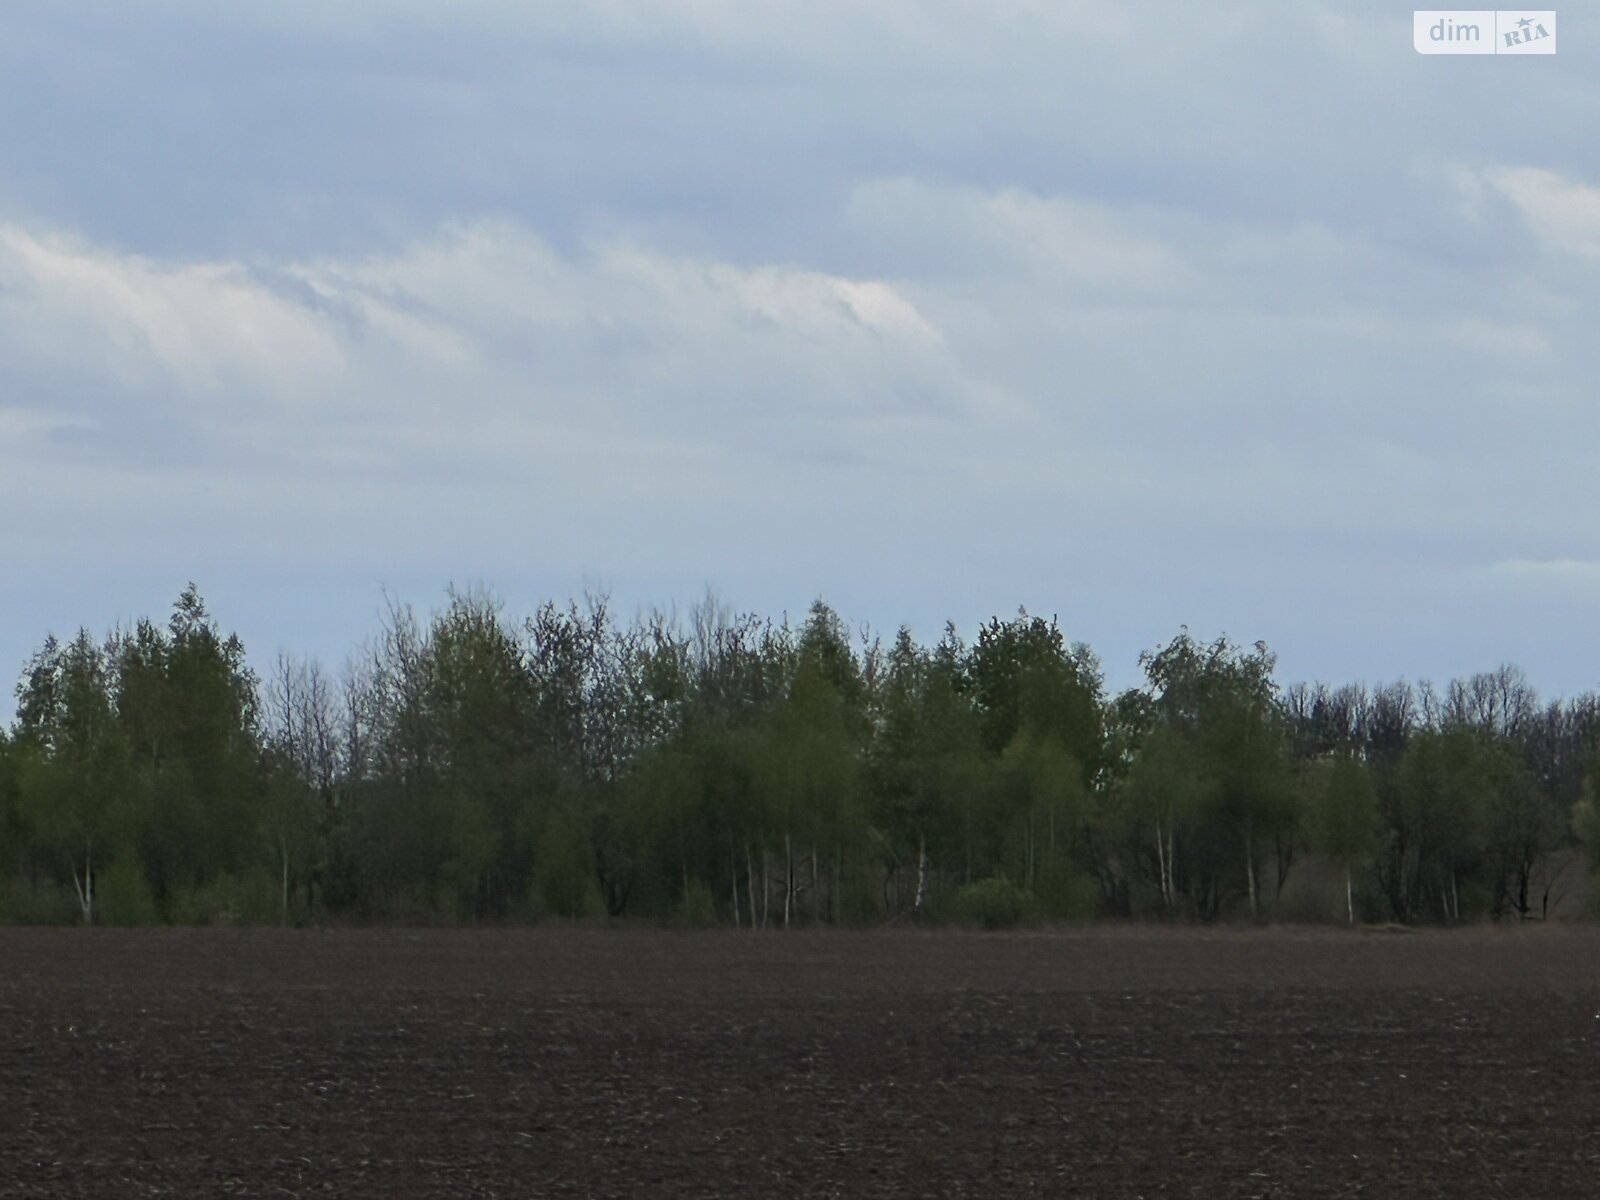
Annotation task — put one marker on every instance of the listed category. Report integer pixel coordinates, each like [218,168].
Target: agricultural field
[1106,1061]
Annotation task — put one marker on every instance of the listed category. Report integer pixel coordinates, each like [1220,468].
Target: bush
[697,908]
[41,902]
[860,901]
[994,903]
[566,879]
[228,900]
[122,893]
[1064,894]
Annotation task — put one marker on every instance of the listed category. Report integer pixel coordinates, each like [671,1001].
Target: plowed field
[1107,1062]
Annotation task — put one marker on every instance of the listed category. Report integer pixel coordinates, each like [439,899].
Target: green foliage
[1042,802]
[14,833]
[1586,823]
[1064,893]
[994,903]
[227,900]
[76,766]
[1023,676]
[123,893]
[1344,820]
[37,899]
[1436,809]
[860,900]
[723,766]
[566,875]
[1208,788]
[926,767]
[697,908]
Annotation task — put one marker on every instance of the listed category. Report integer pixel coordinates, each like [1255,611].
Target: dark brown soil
[1109,1062]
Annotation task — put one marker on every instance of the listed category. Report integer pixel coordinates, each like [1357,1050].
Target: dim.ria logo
[1484,31]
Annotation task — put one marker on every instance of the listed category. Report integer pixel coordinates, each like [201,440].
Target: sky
[1241,316]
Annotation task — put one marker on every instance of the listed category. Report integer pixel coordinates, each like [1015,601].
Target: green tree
[1119,843]
[925,767]
[187,704]
[1344,819]
[807,767]
[73,786]
[1163,794]
[1586,822]
[1436,812]
[1023,675]
[1523,827]
[1045,803]
[18,843]
[304,773]
[480,703]
[1222,701]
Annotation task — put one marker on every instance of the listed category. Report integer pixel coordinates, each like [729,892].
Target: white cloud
[1091,242]
[485,275]
[1125,303]
[944,26]
[1043,363]
[1508,339]
[1064,243]
[1565,571]
[1562,213]
[480,339]
[812,306]
[203,326]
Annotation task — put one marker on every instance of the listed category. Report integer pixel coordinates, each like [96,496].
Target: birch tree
[74,785]
[303,742]
[1344,820]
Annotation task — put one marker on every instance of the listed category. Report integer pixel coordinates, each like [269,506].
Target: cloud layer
[931,309]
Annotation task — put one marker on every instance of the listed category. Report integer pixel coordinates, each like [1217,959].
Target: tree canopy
[720,766]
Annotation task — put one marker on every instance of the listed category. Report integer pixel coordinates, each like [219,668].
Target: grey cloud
[1243,315]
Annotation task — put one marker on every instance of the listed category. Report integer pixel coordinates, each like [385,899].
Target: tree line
[719,766]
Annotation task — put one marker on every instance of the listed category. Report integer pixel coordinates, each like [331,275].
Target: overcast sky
[1239,315]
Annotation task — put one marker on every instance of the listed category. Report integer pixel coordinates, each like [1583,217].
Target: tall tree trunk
[836,896]
[816,889]
[967,875]
[788,877]
[1172,889]
[922,876]
[1161,867]
[733,867]
[1250,872]
[84,885]
[750,882]
[1349,895]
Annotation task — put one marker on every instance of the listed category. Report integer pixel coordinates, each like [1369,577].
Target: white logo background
[1484,31]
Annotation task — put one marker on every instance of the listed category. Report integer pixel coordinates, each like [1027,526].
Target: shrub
[566,880]
[697,908]
[228,900]
[122,893]
[994,903]
[41,902]
[1064,894]
[860,902]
